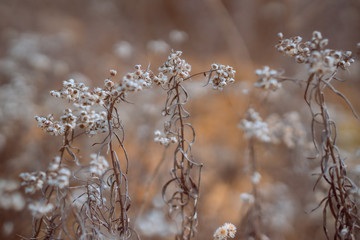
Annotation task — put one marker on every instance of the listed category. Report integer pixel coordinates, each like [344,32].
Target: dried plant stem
[185,198]
[339,201]
[256,211]
[39,222]
[117,173]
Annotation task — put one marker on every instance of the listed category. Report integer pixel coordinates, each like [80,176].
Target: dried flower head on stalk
[319,59]
[323,64]
[94,112]
[268,79]
[228,230]
[101,200]
[186,172]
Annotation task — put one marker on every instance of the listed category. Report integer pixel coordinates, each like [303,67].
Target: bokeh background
[44,42]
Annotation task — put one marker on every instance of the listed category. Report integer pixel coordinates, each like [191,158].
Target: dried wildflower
[39,209]
[49,125]
[79,94]
[247,198]
[33,181]
[255,178]
[94,195]
[287,129]
[254,126]
[178,36]
[176,66]
[158,46]
[68,120]
[136,81]
[221,76]
[164,139]
[220,233]
[123,49]
[231,229]
[160,79]
[58,175]
[313,53]
[93,122]
[225,231]
[10,197]
[98,165]
[113,72]
[268,79]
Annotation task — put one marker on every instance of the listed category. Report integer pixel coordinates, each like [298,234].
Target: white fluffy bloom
[255,178]
[10,197]
[176,66]
[98,165]
[178,36]
[267,79]
[319,59]
[225,231]
[254,126]
[164,139]
[32,181]
[158,46]
[39,209]
[221,76]
[247,198]
[123,49]
[57,175]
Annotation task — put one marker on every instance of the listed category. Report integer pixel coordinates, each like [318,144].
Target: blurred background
[43,43]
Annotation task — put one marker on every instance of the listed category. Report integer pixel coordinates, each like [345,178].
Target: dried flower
[268,78]
[136,81]
[33,181]
[98,165]
[225,231]
[39,209]
[255,178]
[10,197]
[58,175]
[164,139]
[178,36]
[123,49]
[254,126]
[221,233]
[247,198]
[221,75]
[158,46]
[313,53]
[176,66]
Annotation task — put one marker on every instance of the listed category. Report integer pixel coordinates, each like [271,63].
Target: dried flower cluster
[287,129]
[33,182]
[255,177]
[228,230]
[136,81]
[221,76]
[93,208]
[50,126]
[98,165]
[313,53]
[268,79]
[39,209]
[247,198]
[254,126]
[175,66]
[323,65]
[10,197]
[56,175]
[164,139]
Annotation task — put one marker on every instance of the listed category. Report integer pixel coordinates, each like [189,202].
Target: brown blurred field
[43,43]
